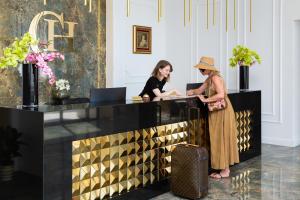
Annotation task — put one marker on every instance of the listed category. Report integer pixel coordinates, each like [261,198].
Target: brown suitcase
[189,177]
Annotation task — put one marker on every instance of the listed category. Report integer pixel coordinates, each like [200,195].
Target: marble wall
[85,53]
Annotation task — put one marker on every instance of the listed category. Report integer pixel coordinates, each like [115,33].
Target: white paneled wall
[275,36]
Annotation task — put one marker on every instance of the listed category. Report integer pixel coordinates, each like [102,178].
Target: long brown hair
[160,65]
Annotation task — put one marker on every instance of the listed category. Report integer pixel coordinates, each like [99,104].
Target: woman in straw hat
[222,122]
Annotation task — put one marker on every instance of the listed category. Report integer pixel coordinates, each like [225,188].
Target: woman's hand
[202,98]
[190,92]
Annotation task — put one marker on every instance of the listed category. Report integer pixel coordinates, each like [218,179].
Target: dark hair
[160,65]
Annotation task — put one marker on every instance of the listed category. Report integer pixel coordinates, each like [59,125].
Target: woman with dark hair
[159,77]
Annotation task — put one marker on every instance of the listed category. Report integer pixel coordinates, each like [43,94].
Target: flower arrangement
[243,56]
[60,90]
[22,50]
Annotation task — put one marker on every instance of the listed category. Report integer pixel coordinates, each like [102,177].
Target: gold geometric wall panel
[244,122]
[106,166]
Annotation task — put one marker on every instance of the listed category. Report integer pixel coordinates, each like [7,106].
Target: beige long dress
[223,132]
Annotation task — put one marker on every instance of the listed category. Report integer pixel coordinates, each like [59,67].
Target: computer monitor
[99,95]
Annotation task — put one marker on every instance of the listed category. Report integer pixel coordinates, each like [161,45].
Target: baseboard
[280,141]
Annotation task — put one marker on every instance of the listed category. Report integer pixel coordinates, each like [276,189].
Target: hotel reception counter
[113,150]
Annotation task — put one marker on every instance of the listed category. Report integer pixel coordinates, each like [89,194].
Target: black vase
[30,85]
[244,77]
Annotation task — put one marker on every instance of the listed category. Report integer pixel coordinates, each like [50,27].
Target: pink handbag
[217,105]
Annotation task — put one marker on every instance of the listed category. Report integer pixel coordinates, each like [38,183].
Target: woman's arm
[157,92]
[197,91]
[219,87]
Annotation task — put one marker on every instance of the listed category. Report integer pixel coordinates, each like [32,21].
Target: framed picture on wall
[142,39]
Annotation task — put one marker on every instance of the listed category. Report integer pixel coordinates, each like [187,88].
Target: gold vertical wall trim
[158,10]
[234,14]
[184,12]
[214,12]
[99,44]
[190,10]
[226,15]
[90,6]
[45,2]
[127,8]
[250,15]
[207,14]
[161,9]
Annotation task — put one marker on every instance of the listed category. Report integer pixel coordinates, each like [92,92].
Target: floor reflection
[273,175]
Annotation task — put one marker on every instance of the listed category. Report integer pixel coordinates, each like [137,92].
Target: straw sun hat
[206,63]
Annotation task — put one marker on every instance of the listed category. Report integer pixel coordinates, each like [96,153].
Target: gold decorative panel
[106,166]
[244,121]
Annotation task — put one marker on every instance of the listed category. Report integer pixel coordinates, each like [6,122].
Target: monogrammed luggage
[189,167]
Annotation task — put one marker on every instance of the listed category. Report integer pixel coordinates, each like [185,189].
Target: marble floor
[274,175]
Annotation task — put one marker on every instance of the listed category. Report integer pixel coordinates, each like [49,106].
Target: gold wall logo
[65,25]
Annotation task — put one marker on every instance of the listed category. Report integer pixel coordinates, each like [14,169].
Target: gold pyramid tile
[161,130]
[146,145]
[130,137]
[138,181]
[174,138]
[153,177]
[114,140]
[114,152]
[153,143]
[146,168]
[76,161]
[175,129]
[95,170]
[167,171]
[130,172]
[123,162]
[153,154]
[104,180]
[153,133]
[95,183]
[105,154]
[168,140]
[85,172]
[114,177]
[168,150]
[95,144]
[104,141]
[95,157]
[139,146]
[153,165]
[138,134]
[162,141]
[146,156]
[168,129]
[75,189]
[85,186]
[85,159]
[104,192]
[85,146]
[75,147]
[131,148]
[138,170]
[75,175]
[122,175]
[122,187]
[168,159]
[122,138]
[147,134]
[138,158]
[122,150]
[131,160]
[104,167]
[114,165]
[146,180]
[86,196]
[75,197]
[130,184]
[95,195]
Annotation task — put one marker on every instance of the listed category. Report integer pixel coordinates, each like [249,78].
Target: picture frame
[142,39]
